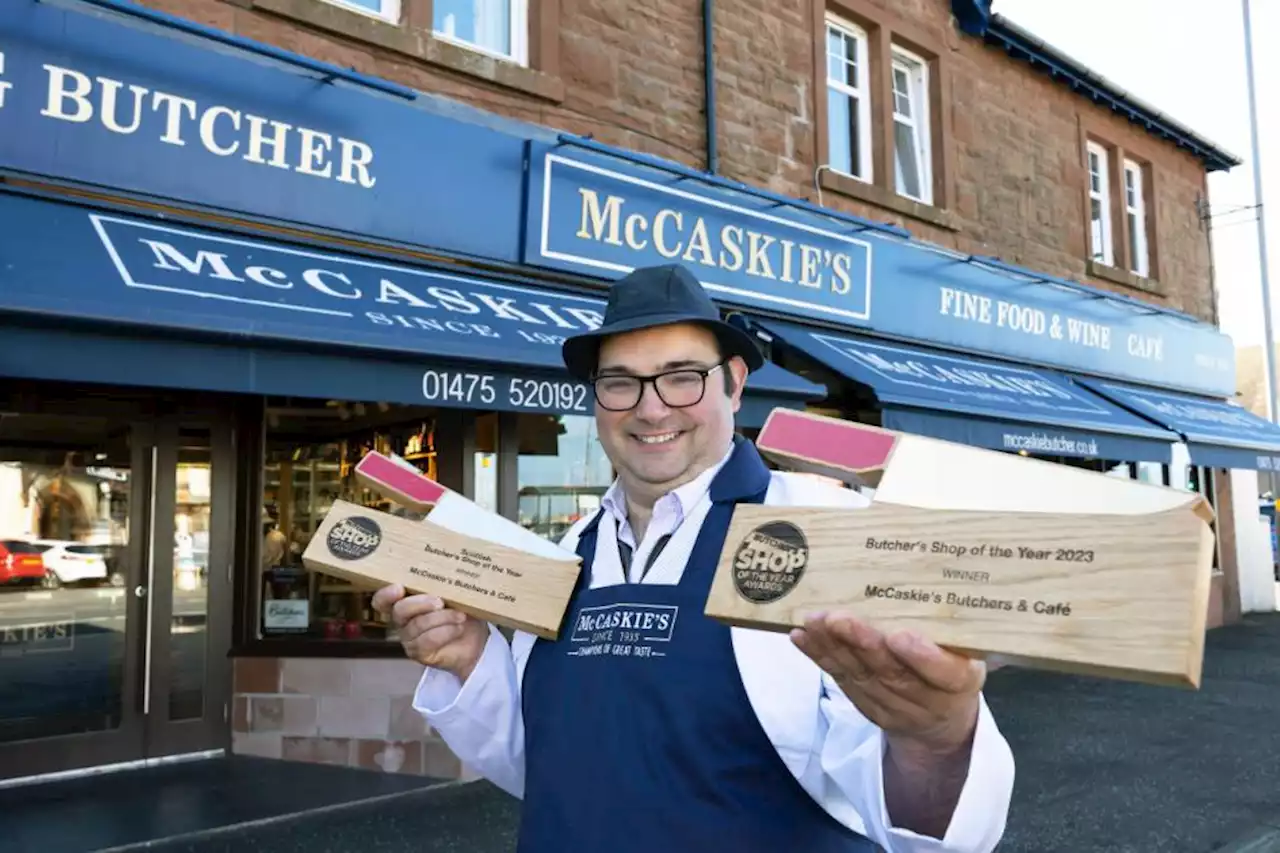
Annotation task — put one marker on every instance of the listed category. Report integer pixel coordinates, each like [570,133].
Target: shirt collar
[683,497]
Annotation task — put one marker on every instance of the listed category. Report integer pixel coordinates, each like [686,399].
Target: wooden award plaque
[991,554]
[474,560]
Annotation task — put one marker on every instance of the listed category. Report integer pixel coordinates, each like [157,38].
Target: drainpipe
[709,84]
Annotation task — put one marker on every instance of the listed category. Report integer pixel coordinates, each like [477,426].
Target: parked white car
[71,562]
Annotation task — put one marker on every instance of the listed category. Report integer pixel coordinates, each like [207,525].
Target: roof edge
[1022,44]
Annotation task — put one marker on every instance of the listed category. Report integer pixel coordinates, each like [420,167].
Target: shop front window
[562,472]
[1153,472]
[65,531]
[484,463]
[1203,481]
[1143,472]
[310,452]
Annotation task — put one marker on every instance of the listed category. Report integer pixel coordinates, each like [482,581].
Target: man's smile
[658,437]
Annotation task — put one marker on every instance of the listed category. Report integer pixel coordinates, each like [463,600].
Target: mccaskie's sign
[268,282]
[604,222]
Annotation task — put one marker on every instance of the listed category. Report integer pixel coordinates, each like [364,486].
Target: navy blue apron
[639,735]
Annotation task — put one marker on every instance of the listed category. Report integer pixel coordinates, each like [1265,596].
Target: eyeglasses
[677,389]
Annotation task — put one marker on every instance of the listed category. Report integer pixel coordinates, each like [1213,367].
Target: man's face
[653,443]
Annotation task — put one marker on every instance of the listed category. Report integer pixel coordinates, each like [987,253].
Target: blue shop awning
[1219,433]
[97,296]
[981,402]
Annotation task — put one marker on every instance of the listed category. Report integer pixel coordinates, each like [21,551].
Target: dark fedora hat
[656,296]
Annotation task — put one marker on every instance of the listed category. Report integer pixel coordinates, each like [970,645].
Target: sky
[1189,63]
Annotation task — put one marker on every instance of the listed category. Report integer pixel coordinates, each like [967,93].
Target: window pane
[1151,472]
[901,93]
[1096,227]
[842,57]
[851,77]
[908,166]
[65,530]
[835,45]
[902,105]
[312,447]
[562,472]
[484,463]
[842,132]
[484,23]
[193,522]
[1135,243]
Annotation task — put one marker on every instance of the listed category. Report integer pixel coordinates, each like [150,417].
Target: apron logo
[770,562]
[354,538]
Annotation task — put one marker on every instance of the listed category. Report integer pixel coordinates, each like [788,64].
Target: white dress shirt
[669,511]
[834,751]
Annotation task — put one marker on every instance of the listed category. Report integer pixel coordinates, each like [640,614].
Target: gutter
[709,84]
[1001,29]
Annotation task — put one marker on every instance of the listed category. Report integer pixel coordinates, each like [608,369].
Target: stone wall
[350,712]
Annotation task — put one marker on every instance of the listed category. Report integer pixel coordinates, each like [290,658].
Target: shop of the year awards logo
[354,538]
[770,562]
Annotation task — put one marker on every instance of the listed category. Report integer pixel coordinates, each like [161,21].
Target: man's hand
[918,693]
[432,634]
[924,698]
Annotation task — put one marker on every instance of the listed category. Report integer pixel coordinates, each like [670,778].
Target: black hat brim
[580,351]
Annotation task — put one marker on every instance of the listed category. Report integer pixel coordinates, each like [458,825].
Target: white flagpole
[1269,344]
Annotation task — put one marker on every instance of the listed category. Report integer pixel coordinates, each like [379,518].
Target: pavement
[1102,766]
[1112,766]
[157,806]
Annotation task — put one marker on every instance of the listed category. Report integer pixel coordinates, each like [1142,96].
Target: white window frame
[862,92]
[917,71]
[1135,208]
[518,12]
[1103,196]
[388,10]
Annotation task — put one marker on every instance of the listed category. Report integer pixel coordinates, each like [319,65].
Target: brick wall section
[631,74]
[354,713]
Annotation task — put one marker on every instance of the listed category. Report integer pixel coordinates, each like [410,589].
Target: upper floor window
[499,28]
[496,27]
[1121,223]
[848,99]
[911,150]
[1099,206]
[1135,209]
[387,10]
[885,109]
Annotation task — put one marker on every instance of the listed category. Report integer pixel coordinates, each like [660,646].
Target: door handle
[141,590]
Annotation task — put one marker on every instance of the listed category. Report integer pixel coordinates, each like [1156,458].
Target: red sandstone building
[433,143]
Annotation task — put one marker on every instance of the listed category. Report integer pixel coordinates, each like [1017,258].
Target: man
[649,727]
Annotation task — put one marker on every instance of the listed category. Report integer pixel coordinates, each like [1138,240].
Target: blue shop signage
[85,281]
[605,222]
[1219,433]
[112,103]
[433,327]
[601,216]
